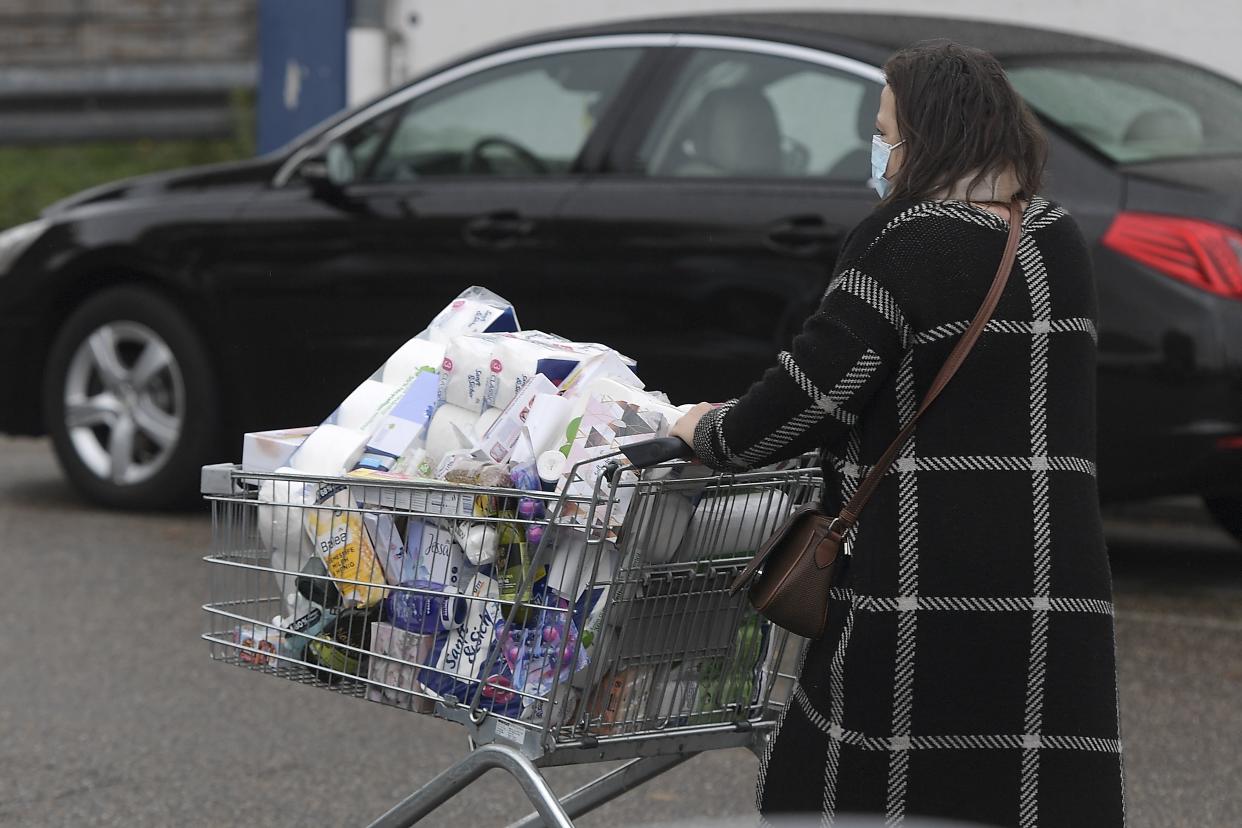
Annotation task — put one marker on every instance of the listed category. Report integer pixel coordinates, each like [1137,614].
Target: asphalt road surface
[112,714]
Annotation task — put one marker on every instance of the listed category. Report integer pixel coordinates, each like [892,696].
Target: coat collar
[1001,186]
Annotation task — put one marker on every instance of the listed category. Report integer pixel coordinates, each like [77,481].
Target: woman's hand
[685,425]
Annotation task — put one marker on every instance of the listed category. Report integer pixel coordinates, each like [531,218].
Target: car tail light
[1226,443]
[1200,253]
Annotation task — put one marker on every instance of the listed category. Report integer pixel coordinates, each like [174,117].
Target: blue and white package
[403,425]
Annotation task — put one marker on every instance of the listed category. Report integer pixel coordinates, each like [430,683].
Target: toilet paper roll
[485,421]
[365,405]
[330,450]
[572,560]
[656,527]
[726,525]
[515,363]
[479,541]
[551,468]
[450,429]
[281,529]
[545,428]
[410,358]
[465,371]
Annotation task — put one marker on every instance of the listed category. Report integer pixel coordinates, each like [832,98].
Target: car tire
[1227,512]
[130,400]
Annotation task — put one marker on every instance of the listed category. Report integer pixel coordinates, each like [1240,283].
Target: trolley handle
[656,451]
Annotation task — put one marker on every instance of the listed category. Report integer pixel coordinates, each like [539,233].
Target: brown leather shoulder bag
[789,579]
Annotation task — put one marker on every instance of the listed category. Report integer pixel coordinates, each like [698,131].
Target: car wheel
[1227,512]
[130,401]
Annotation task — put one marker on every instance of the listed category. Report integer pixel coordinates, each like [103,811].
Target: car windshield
[1135,109]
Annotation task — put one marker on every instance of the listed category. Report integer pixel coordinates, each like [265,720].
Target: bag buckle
[845,544]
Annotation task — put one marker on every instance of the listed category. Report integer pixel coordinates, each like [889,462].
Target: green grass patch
[32,177]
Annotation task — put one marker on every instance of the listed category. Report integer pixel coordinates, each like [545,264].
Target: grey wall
[85,69]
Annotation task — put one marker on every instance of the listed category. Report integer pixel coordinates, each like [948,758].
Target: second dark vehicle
[676,188]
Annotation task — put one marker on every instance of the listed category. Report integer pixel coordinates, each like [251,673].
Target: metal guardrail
[77,103]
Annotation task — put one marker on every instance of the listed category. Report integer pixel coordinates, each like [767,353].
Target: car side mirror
[328,172]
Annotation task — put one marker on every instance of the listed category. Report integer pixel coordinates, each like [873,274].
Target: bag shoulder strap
[851,510]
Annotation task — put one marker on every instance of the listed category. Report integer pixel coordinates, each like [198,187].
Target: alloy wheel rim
[124,402]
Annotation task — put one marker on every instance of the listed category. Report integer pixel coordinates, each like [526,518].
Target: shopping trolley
[588,625]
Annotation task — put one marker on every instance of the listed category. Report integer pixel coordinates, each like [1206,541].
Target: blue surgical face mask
[880,152]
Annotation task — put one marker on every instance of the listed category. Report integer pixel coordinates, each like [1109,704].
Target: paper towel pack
[404,425]
[365,405]
[331,450]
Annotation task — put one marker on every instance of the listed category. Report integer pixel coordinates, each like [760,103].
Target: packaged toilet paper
[733,523]
[466,371]
[460,659]
[279,519]
[362,409]
[658,526]
[414,357]
[524,355]
[475,310]
[451,429]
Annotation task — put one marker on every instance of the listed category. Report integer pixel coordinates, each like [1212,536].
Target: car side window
[741,114]
[527,118]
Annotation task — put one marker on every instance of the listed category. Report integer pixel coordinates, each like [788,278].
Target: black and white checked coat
[969,670]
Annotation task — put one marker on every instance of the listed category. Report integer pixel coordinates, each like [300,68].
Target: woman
[968,671]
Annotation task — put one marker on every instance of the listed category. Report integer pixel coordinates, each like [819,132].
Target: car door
[712,234]
[457,185]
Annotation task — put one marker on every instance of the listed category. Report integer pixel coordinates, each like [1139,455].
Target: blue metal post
[301,66]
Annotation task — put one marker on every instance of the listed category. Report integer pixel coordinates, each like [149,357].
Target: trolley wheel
[130,400]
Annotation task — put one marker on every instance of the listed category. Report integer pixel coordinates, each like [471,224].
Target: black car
[676,188]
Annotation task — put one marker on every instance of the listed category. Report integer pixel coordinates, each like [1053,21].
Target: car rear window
[1133,109]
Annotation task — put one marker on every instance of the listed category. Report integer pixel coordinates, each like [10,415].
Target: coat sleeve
[816,392]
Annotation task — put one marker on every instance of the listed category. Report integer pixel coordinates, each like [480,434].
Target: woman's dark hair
[960,117]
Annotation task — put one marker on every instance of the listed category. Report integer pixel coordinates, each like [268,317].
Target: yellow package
[346,549]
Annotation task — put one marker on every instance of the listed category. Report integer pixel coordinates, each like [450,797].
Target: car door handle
[802,234]
[499,228]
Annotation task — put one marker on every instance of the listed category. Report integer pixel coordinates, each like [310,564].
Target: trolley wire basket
[558,628]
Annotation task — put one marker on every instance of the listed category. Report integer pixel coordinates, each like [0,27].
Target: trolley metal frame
[655,615]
